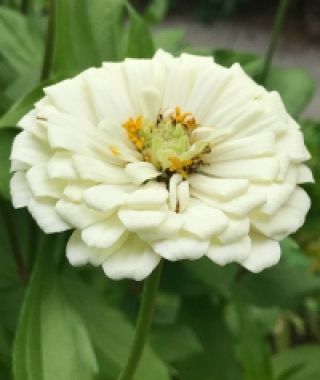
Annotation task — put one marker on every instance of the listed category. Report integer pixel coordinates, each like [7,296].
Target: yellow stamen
[133,127]
[184,118]
[179,166]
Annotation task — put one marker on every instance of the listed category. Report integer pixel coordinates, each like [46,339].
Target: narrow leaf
[140,44]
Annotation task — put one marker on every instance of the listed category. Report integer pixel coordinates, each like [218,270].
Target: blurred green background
[211,323]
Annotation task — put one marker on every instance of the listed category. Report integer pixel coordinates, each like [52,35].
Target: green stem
[48,54]
[150,289]
[25,6]
[276,31]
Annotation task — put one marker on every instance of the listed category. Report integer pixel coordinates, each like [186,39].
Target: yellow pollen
[133,127]
[184,118]
[114,150]
[179,166]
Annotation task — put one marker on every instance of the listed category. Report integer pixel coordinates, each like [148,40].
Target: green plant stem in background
[143,323]
[25,6]
[48,54]
[276,31]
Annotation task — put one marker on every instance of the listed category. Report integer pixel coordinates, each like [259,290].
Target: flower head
[171,158]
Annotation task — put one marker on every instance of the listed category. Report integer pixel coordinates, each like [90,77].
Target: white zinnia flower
[172,158]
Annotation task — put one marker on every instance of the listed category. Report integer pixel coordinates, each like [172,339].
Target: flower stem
[25,6]
[276,31]
[150,289]
[48,54]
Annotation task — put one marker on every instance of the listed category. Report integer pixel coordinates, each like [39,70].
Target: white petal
[28,149]
[204,221]
[40,183]
[259,145]
[135,259]
[305,175]
[175,180]
[60,166]
[20,191]
[75,141]
[287,219]
[181,246]
[218,187]
[237,229]
[74,191]
[264,253]
[292,143]
[30,123]
[108,92]
[152,195]
[150,103]
[235,114]
[284,166]
[78,215]
[138,74]
[136,220]
[17,165]
[44,212]
[206,90]
[183,195]
[239,207]
[163,56]
[118,143]
[171,226]
[223,254]
[260,169]
[276,194]
[71,96]
[104,234]
[79,253]
[99,171]
[105,198]
[139,172]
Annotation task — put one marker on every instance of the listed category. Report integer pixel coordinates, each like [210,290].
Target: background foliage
[211,323]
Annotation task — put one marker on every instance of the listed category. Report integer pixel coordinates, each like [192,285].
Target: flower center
[169,143]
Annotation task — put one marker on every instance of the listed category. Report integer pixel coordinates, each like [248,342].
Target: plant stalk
[276,31]
[150,290]
[48,54]
[25,4]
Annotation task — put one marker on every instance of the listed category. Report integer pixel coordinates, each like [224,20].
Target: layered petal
[134,259]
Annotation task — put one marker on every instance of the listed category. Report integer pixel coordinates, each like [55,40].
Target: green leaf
[74,46]
[140,44]
[217,279]
[111,334]
[51,341]
[253,350]
[19,45]
[156,10]
[251,63]
[295,86]
[22,106]
[106,21]
[284,285]
[299,363]
[70,356]
[6,137]
[200,277]
[218,358]
[171,40]
[175,342]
